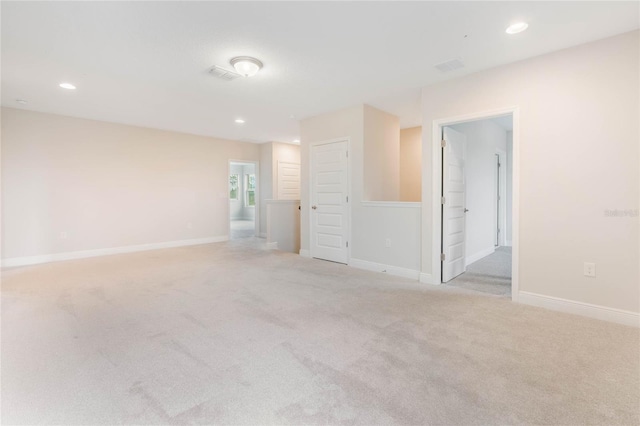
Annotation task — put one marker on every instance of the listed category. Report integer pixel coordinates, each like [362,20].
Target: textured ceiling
[145,63]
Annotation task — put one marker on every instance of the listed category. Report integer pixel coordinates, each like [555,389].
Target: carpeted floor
[491,274]
[242,229]
[229,333]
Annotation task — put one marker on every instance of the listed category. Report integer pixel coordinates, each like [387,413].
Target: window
[233,187]
[250,193]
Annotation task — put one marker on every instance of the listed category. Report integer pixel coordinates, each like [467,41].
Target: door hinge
[442,200]
[443,143]
[442,257]
[347,243]
[347,198]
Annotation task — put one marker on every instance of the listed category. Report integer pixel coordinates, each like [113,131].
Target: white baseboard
[428,279]
[273,245]
[479,255]
[379,267]
[33,260]
[579,308]
[305,253]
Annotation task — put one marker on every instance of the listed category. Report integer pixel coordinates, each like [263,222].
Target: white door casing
[453,207]
[329,210]
[433,222]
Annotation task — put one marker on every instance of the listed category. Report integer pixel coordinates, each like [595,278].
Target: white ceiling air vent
[223,73]
[451,65]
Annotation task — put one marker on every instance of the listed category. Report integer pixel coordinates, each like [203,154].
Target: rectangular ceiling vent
[223,74]
[451,65]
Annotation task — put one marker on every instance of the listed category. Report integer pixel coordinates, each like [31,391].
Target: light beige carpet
[491,274]
[231,334]
[242,229]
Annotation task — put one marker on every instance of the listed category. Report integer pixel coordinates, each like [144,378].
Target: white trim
[305,253]
[579,308]
[427,279]
[502,178]
[349,196]
[263,235]
[400,204]
[479,255]
[272,246]
[379,267]
[56,257]
[436,181]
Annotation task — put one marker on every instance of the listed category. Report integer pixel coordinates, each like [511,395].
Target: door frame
[501,204]
[311,146]
[436,185]
[256,219]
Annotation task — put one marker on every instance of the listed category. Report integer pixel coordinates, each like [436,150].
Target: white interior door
[288,181]
[329,204]
[453,207]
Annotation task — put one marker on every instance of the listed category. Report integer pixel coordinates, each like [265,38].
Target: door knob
[314,207]
[466,210]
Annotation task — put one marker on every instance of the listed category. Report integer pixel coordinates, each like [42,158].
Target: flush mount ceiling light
[68,86]
[296,141]
[21,101]
[517,28]
[246,65]
[239,120]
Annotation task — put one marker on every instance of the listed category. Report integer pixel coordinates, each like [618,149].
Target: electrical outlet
[589,269]
[387,242]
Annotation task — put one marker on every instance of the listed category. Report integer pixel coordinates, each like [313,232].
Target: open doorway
[243,199]
[476,205]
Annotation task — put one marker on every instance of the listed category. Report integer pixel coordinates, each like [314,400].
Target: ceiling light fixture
[239,120]
[68,86]
[296,141]
[21,101]
[517,28]
[246,65]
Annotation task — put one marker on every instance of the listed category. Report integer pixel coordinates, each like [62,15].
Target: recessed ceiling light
[246,65]
[296,141]
[517,28]
[68,86]
[21,101]
[239,120]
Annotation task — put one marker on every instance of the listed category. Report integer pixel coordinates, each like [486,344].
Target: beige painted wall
[411,164]
[109,185]
[381,155]
[579,143]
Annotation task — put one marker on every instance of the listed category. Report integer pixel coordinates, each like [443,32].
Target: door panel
[329,230]
[288,181]
[453,214]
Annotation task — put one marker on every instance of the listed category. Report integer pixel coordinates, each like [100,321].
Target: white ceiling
[145,63]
